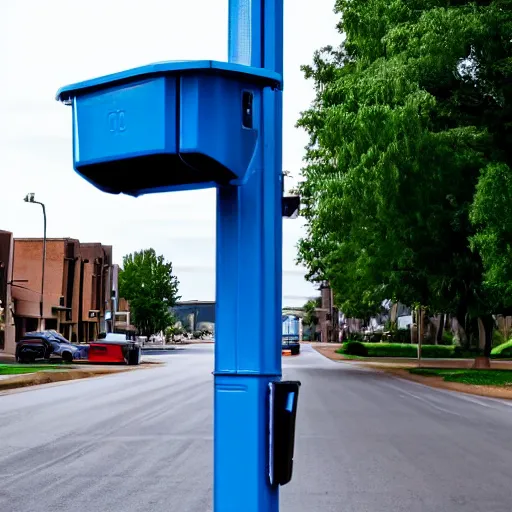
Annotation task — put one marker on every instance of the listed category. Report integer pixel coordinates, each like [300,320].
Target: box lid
[259,76]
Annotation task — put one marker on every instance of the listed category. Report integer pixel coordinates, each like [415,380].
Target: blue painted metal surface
[249,277]
[184,122]
[245,32]
[256,75]
[180,125]
[241,445]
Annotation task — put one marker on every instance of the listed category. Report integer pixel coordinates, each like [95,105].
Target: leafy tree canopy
[310,318]
[491,213]
[147,281]
[412,113]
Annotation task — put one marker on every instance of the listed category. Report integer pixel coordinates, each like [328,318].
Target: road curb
[52,377]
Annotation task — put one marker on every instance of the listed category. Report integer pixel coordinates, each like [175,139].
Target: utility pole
[249,230]
[254,412]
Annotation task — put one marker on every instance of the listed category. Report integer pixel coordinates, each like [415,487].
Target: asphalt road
[142,441]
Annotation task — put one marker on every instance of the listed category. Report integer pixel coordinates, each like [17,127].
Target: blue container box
[167,126]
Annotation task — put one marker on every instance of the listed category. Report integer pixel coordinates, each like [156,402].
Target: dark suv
[45,345]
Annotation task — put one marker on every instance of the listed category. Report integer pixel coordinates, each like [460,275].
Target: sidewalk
[159,348]
[7,358]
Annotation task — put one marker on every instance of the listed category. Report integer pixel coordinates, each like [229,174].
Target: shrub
[447,338]
[411,350]
[502,351]
[375,337]
[356,336]
[391,350]
[441,351]
[354,348]
[498,338]
[408,350]
[402,336]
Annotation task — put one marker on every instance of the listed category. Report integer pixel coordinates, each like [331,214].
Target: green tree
[147,281]
[410,110]
[491,213]
[310,318]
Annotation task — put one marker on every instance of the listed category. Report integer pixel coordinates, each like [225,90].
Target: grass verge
[20,369]
[50,377]
[498,378]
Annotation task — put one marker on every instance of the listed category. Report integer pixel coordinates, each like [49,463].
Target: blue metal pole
[249,283]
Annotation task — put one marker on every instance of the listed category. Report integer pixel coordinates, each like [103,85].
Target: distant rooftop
[33,239]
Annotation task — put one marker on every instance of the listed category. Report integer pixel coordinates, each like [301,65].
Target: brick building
[328,319]
[96,289]
[7,332]
[123,323]
[78,286]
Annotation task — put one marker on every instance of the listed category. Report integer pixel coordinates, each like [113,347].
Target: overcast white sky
[45,44]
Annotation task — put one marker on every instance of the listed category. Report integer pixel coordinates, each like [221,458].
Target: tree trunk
[414,326]
[420,334]
[440,329]
[394,314]
[422,323]
[430,329]
[461,324]
[486,324]
[481,334]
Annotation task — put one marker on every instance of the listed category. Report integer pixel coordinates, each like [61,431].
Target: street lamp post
[29,198]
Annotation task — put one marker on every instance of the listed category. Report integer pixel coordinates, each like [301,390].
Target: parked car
[46,345]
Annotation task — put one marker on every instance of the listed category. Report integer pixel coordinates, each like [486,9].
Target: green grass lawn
[469,376]
[20,369]
[348,356]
